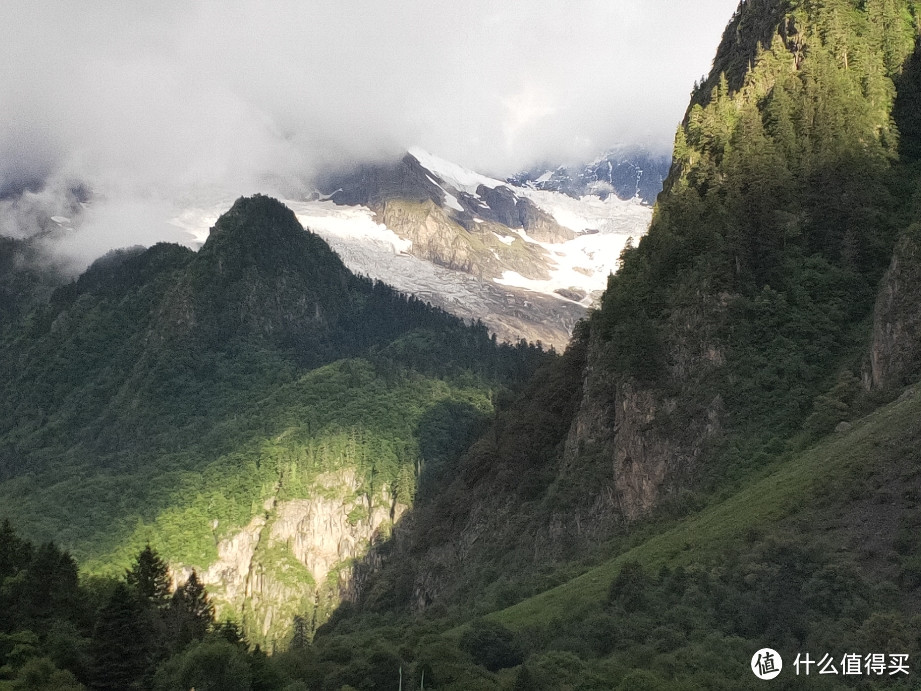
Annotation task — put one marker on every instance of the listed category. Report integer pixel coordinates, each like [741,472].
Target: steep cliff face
[651,437]
[478,251]
[895,355]
[293,558]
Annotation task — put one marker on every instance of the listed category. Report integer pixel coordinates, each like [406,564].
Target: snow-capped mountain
[626,173]
[526,261]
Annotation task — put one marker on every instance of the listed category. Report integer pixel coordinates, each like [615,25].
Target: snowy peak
[526,261]
[625,173]
[456,176]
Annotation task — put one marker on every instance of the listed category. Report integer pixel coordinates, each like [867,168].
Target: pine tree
[149,578]
[51,585]
[120,649]
[191,613]
[15,553]
[300,639]
[232,633]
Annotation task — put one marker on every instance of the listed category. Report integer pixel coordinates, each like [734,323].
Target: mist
[152,107]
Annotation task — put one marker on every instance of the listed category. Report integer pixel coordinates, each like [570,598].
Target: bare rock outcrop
[291,559]
[895,355]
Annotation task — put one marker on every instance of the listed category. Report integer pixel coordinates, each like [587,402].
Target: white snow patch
[612,215]
[458,177]
[451,201]
[506,239]
[348,224]
[597,252]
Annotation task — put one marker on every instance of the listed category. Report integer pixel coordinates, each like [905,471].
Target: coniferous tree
[299,638]
[15,556]
[50,589]
[232,633]
[191,613]
[14,551]
[121,647]
[149,578]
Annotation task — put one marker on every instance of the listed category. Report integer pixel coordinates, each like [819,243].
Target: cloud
[164,100]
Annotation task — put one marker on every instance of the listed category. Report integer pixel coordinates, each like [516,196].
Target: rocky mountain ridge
[628,173]
[512,248]
[268,412]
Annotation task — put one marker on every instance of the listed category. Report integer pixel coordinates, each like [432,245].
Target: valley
[427,428]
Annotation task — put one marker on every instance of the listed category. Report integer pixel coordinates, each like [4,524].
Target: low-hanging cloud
[160,101]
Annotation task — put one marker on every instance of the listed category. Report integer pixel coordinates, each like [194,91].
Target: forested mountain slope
[739,330]
[254,410]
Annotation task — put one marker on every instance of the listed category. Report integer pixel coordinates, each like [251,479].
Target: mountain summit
[528,262]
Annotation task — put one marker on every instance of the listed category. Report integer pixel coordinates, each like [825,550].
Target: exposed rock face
[440,219]
[895,356]
[439,239]
[502,203]
[235,557]
[621,447]
[628,173]
[289,560]
[633,427]
[472,234]
[373,185]
[541,225]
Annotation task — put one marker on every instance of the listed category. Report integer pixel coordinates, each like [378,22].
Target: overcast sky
[160,97]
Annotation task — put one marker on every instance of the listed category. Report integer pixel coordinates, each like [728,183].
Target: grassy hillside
[816,554]
[808,498]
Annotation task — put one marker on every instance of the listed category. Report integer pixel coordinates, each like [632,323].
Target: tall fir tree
[149,578]
[121,649]
[191,614]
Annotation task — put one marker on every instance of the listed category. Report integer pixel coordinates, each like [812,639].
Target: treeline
[136,632]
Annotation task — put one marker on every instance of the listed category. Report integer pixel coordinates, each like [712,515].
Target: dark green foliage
[210,665]
[38,586]
[783,204]
[190,614]
[491,645]
[443,430]
[122,647]
[149,578]
[27,279]
[165,390]
[57,633]
[231,632]
[41,674]
[795,171]
[300,635]
[629,588]
[260,364]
